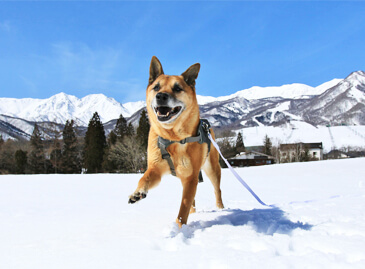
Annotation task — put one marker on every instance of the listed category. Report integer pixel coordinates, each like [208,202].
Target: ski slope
[84,221]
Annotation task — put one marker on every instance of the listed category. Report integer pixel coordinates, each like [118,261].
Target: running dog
[173,145]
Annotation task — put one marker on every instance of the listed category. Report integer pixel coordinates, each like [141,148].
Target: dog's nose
[162,98]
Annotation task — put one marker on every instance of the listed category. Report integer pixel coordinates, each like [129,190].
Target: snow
[327,85]
[280,107]
[133,107]
[26,127]
[202,100]
[298,131]
[285,91]
[84,221]
[62,107]
[291,91]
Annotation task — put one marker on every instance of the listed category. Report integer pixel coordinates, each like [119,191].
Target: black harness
[202,137]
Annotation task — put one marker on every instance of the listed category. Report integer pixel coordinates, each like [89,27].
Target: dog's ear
[155,70]
[191,74]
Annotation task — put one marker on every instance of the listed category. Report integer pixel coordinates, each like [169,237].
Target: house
[336,154]
[301,152]
[251,158]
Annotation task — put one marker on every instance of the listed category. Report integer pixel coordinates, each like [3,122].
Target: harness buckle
[183,141]
[165,155]
[205,126]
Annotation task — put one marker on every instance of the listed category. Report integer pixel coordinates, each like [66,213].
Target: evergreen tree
[112,138]
[56,158]
[267,146]
[110,164]
[121,128]
[7,158]
[130,130]
[20,161]
[70,154]
[95,145]
[37,158]
[227,149]
[121,132]
[54,150]
[1,140]
[143,130]
[240,146]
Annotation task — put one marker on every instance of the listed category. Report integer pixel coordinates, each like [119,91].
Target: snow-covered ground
[334,137]
[84,221]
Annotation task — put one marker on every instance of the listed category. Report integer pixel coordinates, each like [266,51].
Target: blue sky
[105,47]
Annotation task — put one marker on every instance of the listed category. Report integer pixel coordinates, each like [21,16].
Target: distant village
[240,156]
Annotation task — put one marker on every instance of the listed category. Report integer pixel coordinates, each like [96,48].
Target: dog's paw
[135,197]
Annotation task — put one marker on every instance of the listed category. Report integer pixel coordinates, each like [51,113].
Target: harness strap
[202,137]
[163,144]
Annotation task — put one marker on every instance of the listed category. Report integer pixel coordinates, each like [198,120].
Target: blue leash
[236,175]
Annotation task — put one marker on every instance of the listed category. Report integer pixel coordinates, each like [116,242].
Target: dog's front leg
[189,190]
[150,179]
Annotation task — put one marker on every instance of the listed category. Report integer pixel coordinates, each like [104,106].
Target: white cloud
[88,70]
[79,69]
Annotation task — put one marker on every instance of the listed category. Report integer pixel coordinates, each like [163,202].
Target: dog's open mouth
[165,113]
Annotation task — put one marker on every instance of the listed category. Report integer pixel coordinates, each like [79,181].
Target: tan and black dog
[173,112]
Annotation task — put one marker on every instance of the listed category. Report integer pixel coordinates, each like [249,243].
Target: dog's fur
[173,112]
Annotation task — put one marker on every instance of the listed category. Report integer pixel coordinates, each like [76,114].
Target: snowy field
[84,221]
[334,137]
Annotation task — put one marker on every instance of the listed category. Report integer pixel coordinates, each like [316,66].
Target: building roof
[308,145]
[251,155]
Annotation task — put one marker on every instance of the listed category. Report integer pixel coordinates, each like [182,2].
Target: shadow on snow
[265,221]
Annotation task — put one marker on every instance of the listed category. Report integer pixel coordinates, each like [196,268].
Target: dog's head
[171,99]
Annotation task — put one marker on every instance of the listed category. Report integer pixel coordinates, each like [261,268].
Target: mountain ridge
[338,101]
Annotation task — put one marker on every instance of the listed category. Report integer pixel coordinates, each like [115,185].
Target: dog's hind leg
[150,179]
[213,171]
[189,190]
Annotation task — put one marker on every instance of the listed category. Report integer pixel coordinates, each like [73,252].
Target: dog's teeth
[168,113]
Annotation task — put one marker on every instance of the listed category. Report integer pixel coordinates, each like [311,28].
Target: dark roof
[335,152]
[355,154]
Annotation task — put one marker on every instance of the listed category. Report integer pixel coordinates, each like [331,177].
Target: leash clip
[205,126]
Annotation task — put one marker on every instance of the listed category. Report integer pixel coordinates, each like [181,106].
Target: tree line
[124,150]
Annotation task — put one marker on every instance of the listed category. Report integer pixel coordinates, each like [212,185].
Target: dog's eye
[157,87]
[177,88]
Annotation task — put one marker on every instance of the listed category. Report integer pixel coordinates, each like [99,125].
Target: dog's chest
[187,158]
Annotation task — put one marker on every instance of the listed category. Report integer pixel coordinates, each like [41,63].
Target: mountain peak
[357,75]
[61,107]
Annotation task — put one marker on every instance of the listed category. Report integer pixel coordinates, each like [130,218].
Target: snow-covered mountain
[62,107]
[336,102]
[290,91]
[343,103]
